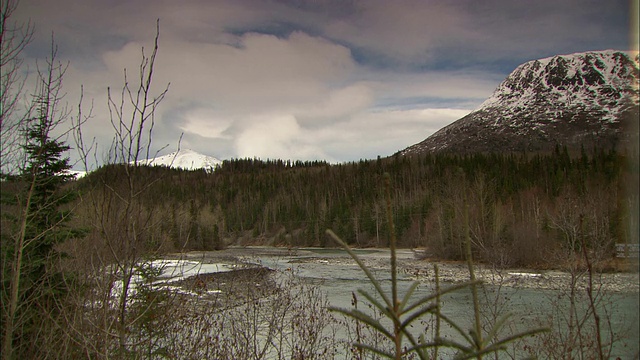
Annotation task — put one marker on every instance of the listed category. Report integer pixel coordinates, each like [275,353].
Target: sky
[334,80]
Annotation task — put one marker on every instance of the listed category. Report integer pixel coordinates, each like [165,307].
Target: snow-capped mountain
[589,99]
[75,174]
[184,159]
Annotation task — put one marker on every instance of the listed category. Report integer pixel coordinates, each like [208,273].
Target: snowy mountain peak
[605,79]
[185,159]
[584,99]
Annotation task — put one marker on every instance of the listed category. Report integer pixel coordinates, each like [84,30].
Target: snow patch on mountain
[185,159]
[605,80]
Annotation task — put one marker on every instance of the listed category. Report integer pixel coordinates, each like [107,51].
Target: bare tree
[121,223]
[582,309]
[14,38]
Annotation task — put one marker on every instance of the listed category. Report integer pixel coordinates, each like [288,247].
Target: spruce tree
[35,222]
[46,172]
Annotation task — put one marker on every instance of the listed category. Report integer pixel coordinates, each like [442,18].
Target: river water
[336,274]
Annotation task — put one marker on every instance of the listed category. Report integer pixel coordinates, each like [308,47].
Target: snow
[185,159]
[180,269]
[171,271]
[523,274]
[550,90]
[77,174]
[506,97]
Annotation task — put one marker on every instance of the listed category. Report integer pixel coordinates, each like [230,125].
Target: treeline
[518,209]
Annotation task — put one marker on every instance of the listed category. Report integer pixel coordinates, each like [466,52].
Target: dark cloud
[446,34]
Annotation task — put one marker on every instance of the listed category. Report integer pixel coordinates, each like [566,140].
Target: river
[532,298]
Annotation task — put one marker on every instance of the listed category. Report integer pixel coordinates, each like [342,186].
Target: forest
[520,208]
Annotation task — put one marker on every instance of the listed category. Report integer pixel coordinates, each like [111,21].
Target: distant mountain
[184,159]
[75,174]
[584,99]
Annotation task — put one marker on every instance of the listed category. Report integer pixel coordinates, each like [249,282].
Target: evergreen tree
[34,223]
[46,172]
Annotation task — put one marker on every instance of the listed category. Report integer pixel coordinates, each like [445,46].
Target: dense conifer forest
[520,208]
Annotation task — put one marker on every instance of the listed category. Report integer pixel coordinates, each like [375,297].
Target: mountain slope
[583,99]
[184,159]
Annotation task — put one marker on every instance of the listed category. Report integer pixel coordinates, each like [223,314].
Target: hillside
[519,205]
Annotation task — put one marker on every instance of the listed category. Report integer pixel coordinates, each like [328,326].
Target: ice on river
[181,269]
[170,270]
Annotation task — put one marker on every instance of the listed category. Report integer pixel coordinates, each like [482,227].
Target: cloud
[277,137]
[466,88]
[388,131]
[439,34]
[204,121]
[281,136]
[405,32]
[217,91]
[332,79]
[336,105]
[259,72]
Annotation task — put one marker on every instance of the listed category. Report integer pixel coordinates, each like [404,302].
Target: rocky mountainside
[585,99]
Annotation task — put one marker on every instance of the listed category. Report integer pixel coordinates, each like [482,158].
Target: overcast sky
[336,80]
